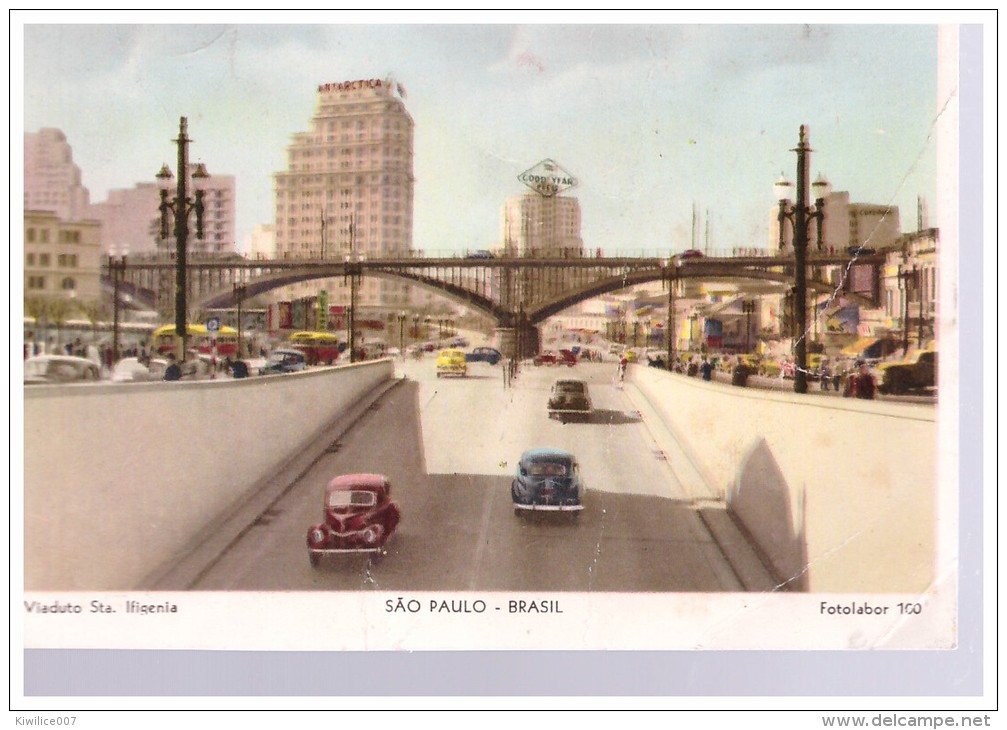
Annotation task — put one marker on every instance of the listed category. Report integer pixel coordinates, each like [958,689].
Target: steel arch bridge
[505,289]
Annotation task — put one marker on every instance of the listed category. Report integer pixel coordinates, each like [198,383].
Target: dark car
[481,254]
[692,253]
[284,361]
[568,400]
[484,354]
[859,251]
[359,517]
[548,480]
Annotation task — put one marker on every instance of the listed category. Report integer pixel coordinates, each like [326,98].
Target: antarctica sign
[547,178]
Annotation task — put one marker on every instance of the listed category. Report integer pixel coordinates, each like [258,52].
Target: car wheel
[518,511]
[313,559]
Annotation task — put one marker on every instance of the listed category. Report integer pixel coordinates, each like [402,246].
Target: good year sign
[547,178]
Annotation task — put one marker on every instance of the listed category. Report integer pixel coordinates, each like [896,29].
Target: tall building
[131,219]
[536,225]
[845,225]
[51,179]
[348,187]
[130,222]
[263,242]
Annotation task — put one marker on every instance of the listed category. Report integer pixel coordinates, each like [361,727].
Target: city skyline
[654,121]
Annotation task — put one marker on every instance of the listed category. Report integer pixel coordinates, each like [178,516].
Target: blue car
[548,480]
[284,361]
[484,354]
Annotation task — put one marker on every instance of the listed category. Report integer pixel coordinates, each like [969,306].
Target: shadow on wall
[772,514]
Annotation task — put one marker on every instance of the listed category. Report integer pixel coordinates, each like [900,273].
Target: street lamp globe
[164,177]
[200,177]
[820,187]
[782,188]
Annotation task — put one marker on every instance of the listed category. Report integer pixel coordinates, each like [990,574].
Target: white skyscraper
[348,186]
[536,225]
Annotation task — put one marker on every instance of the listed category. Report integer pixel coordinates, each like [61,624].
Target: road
[450,447]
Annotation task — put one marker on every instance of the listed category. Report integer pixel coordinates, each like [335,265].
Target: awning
[860,346]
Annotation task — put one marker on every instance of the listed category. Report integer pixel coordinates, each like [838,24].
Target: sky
[654,119]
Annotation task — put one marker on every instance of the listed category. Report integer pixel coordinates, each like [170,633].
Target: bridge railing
[195,258]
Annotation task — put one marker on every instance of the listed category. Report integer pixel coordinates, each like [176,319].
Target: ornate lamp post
[402,338]
[907,281]
[748,307]
[672,274]
[116,269]
[239,294]
[800,214]
[181,206]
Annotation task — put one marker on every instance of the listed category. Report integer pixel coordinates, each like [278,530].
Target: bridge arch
[260,285]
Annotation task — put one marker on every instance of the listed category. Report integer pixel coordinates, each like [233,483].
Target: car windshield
[570,387]
[353,498]
[547,469]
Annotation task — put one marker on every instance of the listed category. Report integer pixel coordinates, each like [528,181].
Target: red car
[692,253]
[548,357]
[359,517]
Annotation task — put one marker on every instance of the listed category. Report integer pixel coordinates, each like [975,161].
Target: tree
[37,308]
[95,311]
[59,312]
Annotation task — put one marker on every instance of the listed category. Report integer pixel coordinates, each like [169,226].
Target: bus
[199,338]
[319,348]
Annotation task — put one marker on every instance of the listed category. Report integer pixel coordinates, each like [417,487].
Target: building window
[29,259]
[43,259]
[68,284]
[36,282]
[29,235]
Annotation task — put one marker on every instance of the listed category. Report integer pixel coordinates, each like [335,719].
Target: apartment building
[348,187]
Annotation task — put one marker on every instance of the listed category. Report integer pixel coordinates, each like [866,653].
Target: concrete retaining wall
[120,478]
[839,494]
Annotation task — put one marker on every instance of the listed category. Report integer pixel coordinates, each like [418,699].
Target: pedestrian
[825,377]
[623,364]
[860,384]
[173,371]
[706,369]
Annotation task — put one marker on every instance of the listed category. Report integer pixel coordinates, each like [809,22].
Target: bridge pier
[507,341]
[518,342]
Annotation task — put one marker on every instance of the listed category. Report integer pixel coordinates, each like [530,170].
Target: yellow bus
[319,348]
[163,340]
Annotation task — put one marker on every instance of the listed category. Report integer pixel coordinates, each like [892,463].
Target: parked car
[284,360]
[484,354]
[359,517]
[551,357]
[59,369]
[859,251]
[916,372]
[549,480]
[481,254]
[451,362]
[692,253]
[568,400]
